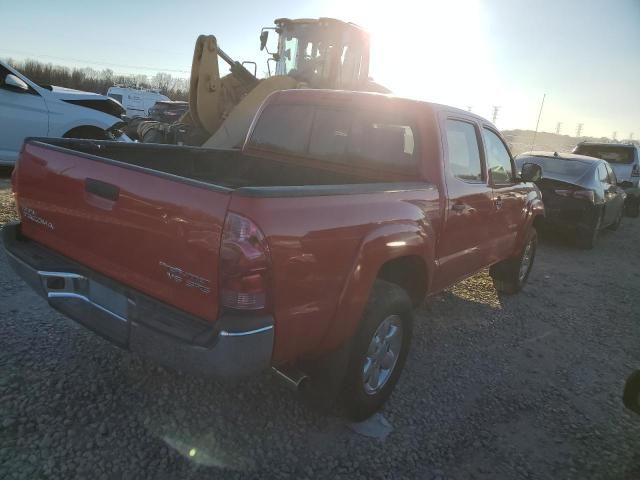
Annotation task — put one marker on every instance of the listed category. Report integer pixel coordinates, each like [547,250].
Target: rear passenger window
[284,128]
[613,180]
[603,176]
[464,152]
[498,159]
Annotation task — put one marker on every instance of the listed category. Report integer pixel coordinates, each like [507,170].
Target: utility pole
[496,109]
[535,134]
[614,135]
[631,136]
[579,129]
[558,127]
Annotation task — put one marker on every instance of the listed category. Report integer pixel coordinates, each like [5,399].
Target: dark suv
[624,158]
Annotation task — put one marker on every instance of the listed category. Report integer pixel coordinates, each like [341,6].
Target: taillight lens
[563,193]
[588,195]
[244,265]
[635,171]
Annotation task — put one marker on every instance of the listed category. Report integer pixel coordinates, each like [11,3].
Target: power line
[535,134]
[103,64]
[496,109]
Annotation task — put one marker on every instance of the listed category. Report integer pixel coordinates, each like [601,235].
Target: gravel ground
[7,209]
[525,387]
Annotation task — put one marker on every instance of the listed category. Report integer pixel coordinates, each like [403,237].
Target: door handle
[102,189]
[458,207]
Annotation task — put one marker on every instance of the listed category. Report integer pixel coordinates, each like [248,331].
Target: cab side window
[613,180]
[603,176]
[498,159]
[464,152]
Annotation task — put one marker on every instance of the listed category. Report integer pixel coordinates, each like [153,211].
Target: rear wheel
[379,351]
[631,395]
[614,226]
[632,209]
[586,237]
[510,276]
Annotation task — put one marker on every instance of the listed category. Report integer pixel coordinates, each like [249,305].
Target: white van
[137,102]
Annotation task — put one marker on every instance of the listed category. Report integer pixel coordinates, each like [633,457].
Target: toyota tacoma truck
[305,251]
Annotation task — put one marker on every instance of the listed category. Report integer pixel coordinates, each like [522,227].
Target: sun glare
[431,50]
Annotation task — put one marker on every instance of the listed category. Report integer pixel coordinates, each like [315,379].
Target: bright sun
[431,50]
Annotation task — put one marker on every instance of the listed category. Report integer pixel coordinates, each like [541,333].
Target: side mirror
[531,172]
[15,83]
[264,36]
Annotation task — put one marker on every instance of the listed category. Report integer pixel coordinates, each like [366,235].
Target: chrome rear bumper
[237,345]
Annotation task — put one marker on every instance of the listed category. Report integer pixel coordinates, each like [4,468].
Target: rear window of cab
[369,139]
[612,154]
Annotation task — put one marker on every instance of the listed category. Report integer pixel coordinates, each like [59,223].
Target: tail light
[244,266]
[635,171]
[588,195]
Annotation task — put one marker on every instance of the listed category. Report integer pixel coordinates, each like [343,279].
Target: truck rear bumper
[238,345]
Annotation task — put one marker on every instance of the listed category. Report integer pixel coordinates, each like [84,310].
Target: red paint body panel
[154,220]
[326,250]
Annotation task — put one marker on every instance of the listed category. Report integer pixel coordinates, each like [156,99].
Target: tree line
[99,81]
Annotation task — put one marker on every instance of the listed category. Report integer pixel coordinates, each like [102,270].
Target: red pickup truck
[313,243]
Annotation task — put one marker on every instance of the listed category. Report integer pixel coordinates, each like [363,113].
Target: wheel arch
[397,253]
[533,218]
[408,272]
[86,131]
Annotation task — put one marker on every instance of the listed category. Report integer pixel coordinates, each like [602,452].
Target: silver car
[624,158]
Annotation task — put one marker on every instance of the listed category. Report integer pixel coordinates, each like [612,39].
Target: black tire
[631,395]
[615,225]
[387,300]
[506,275]
[632,209]
[587,238]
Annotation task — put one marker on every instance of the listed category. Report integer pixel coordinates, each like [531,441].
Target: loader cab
[325,53]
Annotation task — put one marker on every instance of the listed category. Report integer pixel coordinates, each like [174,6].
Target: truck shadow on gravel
[260,425]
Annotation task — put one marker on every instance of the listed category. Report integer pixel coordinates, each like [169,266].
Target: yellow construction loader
[311,53]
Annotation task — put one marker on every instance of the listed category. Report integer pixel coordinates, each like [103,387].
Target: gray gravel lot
[521,387]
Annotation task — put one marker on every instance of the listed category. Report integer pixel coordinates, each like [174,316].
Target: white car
[31,110]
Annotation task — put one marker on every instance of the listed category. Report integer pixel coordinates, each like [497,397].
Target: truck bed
[229,169]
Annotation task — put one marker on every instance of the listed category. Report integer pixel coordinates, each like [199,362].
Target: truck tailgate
[153,232]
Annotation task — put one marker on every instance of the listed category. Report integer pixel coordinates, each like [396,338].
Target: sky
[479,54]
